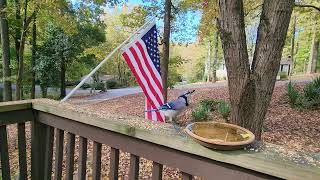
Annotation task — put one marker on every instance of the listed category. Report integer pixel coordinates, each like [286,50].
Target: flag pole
[104,60]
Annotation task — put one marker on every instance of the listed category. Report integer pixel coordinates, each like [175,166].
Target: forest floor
[296,133]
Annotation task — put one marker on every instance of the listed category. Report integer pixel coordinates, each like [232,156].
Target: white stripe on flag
[150,62]
[144,82]
[148,73]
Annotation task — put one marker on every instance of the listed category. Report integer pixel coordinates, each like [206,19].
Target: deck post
[38,139]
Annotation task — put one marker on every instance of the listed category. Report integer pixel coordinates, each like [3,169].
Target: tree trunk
[7,90]
[250,90]
[26,22]
[63,79]
[166,46]
[207,70]
[33,58]
[292,45]
[18,29]
[312,66]
[215,57]
[19,84]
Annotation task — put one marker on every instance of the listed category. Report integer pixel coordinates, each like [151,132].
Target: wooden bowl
[221,136]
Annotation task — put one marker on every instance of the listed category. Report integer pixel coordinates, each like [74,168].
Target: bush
[112,84]
[312,94]
[209,104]
[85,86]
[224,109]
[310,98]
[293,95]
[202,111]
[200,114]
[283,75]
[99,86]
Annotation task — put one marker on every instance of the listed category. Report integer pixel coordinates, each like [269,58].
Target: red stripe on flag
[159,84]
[126,57]
[135,55]
[148,106]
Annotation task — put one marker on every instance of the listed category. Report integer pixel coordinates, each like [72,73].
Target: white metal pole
[102,62]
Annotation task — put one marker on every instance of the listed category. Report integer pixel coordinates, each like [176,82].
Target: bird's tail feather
[152,110]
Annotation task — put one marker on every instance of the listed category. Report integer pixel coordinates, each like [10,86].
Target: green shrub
[200,114]
[209,104]
[112,84]
[283,75]
[224,109]
[310,98]
[85,86]
[99,86]
[293,95]
[312,94]
[202,111]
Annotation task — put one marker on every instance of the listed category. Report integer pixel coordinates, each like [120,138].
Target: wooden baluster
[22,151]
[96,174]
[114,163]
[157,171]
[186,176]
[82,158]
[70,155]
[48,153]
[5,166]
[38,141]
[58,154]
[134,167]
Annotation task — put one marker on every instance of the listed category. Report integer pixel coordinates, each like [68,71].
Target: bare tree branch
[307,6]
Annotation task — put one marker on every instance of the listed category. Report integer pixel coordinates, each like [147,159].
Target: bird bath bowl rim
[218,144]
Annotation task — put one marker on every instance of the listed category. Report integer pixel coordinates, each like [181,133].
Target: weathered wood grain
[157,171]
[5,166]
[22,151]
[96,161]
[134,167]
[114,163]
[83,142]
[70,155]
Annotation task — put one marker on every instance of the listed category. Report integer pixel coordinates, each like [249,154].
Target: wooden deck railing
[51,121]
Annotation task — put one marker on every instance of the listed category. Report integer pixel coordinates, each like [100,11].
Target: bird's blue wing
[168,106]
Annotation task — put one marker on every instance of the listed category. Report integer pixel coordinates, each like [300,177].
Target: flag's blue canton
[151,41]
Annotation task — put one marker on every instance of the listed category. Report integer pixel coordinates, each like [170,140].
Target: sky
[186,25]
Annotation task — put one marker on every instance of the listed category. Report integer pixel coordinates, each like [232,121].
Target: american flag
[143,58]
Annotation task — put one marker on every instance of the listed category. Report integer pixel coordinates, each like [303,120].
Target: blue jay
[172,109]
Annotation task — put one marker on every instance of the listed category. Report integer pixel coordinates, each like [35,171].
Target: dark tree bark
[7,90]
[20,55]
[63,78]
[26,22]
[312,65]
[18,29]
[292,45]
[166,46]
[250,89]
[33,58]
